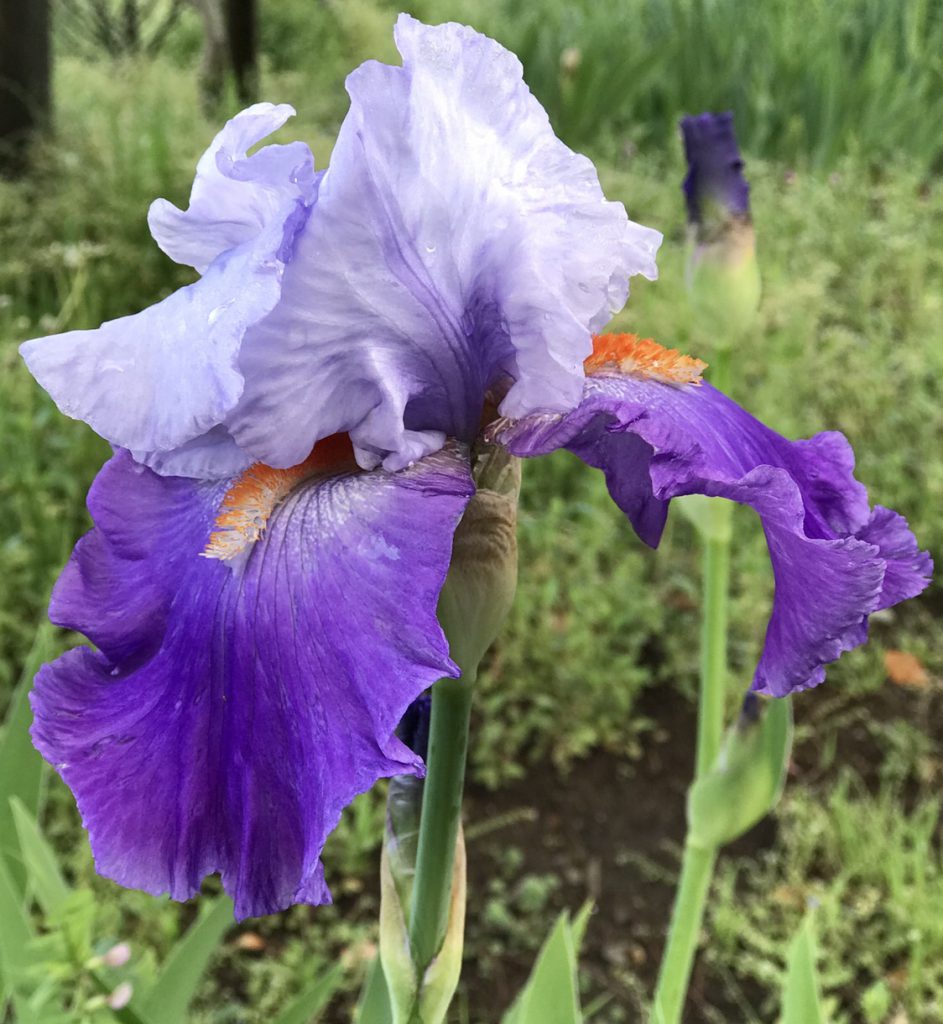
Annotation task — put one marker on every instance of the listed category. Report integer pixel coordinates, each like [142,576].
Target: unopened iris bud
[479,590]
[747,778]
[415,999]
[722,273]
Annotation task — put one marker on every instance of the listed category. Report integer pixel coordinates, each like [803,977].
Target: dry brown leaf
[905,669]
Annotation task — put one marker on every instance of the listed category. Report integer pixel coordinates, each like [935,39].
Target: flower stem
[714,611]
[712,700]
[697,864]
[441,814]
[697,868]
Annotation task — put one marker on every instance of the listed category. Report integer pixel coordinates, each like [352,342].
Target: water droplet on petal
[216,313]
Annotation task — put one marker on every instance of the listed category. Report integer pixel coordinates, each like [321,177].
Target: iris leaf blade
[16,934]
[48,885]
[802,1003]
[167,1000]
[21,767]
[374,1005]
[307,1006]
[551,995]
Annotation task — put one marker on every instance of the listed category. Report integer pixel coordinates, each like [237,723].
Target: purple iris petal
[233,710]
[834,560]
[715,167]
[158,381]
[455,240]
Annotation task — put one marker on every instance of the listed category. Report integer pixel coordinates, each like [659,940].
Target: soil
[611,831]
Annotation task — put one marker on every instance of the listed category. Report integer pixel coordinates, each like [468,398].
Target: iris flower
[292,441]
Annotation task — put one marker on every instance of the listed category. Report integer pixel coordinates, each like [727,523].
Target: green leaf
[551,995]
[306,1007]
[48,885]
[167,1000]
[16,934]
[21,767]
[374,1004]
[747,779]
[801,1001]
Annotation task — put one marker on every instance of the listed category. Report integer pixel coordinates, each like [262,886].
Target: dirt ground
[612,830]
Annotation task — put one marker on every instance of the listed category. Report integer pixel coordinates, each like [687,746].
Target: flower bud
[747,779]
[723,277]
[482,579]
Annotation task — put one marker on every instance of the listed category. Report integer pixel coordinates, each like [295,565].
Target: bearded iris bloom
[292,442]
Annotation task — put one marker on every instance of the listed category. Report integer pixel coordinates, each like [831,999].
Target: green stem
[716,587]
[697,864]
[712,703]
[441,813]
[697,868]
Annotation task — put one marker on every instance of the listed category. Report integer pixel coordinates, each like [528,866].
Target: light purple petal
[834,562]
[234,709]
[159,378]
[236,197]
[164,377]
[455,240]
[210,456]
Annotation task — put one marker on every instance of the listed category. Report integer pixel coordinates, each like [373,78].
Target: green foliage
[167,1000]
[21,767]
[311,1002]
[808,82]
[801,1001]
[874,867]
[551,995]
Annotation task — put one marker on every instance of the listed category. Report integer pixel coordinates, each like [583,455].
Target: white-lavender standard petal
[456,241]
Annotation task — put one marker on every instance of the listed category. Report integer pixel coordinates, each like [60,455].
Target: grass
[876,875]
[850,229]
[808,81]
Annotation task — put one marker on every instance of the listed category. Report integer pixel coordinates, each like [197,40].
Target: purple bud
[715,167]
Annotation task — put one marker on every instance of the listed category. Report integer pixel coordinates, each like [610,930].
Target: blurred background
[584,725]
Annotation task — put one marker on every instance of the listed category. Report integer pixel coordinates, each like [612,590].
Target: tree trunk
[243,34]
[25,67]
[215,53]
